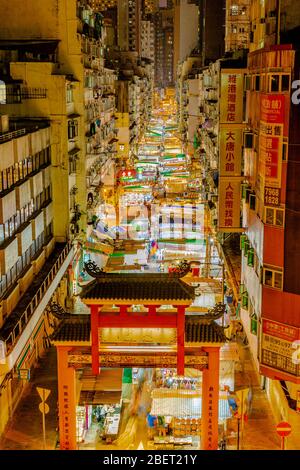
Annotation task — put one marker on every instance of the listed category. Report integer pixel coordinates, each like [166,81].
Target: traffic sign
[43,393]
[44,408]
[284,429]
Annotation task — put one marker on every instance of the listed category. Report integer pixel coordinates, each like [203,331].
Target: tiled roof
[138,286]
[74,330]
[196,330]
[199,331]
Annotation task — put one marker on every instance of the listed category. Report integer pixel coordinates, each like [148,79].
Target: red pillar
[66,400]
[152,309]
[180,339]
[95,338]
[210,400]
[123,310]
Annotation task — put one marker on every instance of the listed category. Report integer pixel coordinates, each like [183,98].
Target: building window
[285,83]
[279,83]
[248,140]
[250,257]
[2,92]
[72,129]
[274,216]
[245,300]
[274,83]
[234,10]
[284,151]
[256,84]
[272,278]
[253,323]
[69,94]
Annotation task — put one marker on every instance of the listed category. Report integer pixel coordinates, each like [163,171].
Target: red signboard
[271,138]
[284,429]
[272,196]
[280,330]
[272,108]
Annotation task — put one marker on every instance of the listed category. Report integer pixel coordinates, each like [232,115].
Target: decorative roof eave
[214,313]
[115,301]
[93,270]
[202,344]
[72,343]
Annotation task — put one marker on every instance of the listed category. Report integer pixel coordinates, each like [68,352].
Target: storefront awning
[103,389]
[182,404]
[99,398]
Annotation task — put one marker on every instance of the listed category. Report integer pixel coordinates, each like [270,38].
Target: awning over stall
[104,389]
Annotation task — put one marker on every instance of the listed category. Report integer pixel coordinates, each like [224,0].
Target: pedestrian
[151,421]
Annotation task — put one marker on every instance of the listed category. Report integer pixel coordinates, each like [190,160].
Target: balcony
[16,94]
[32,304]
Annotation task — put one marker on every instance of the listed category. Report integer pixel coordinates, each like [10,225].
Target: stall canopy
[104,389]
[184,404]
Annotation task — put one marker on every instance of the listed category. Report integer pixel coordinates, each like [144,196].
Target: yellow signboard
[229,204]
[230,151]
[232,89]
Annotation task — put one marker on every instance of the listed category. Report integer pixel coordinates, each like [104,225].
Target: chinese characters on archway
[210,418]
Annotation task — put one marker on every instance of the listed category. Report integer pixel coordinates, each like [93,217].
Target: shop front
[177,411]
[98,413]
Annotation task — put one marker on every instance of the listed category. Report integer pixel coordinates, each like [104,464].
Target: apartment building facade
[66,141]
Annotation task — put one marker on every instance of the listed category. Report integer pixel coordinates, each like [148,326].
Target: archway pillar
[66,400]
[95,338]
[180,338]
[123,310]
[210,400]
[152,309]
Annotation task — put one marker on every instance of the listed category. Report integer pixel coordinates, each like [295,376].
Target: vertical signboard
[230,145]
[229,204]
[271,139]
[230,151]
[232,89]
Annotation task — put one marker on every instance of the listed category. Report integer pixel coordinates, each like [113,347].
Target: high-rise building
[148,40]
[186,30]
[130,25]
[55,154]
[237,35]
[270,289]
[164,47]
[211,29]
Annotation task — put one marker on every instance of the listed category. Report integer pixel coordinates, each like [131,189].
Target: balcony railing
[12,135]
[17,94]
[16,323]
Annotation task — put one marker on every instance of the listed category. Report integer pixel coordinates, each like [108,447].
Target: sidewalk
[260,429]
[25,430]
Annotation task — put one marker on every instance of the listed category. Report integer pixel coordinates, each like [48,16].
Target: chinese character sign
[230,151]
[229,204]
[279,347]
[271,139]
[272,109]
[232,84]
